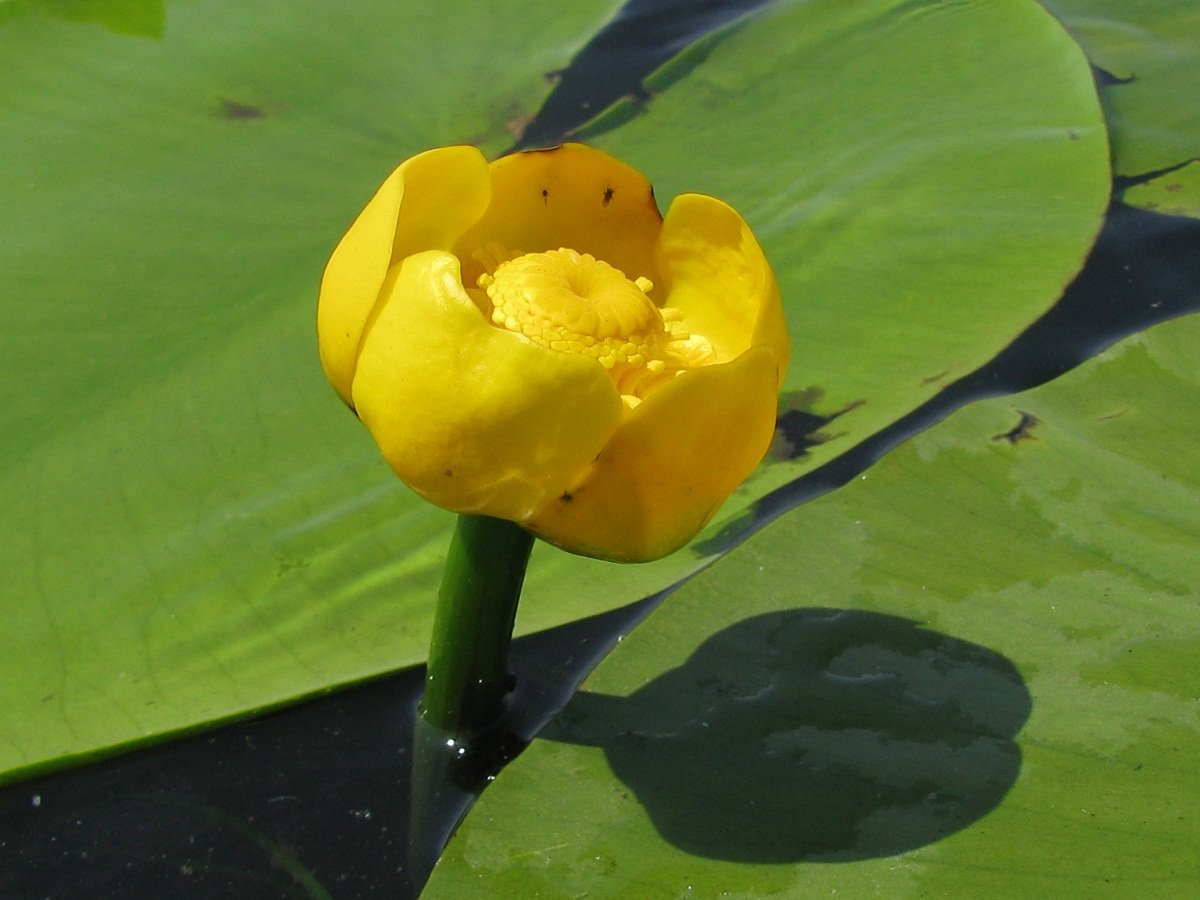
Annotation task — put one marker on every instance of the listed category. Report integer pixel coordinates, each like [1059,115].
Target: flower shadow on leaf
[814,734]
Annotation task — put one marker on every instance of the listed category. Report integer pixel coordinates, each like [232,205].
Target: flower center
[574,303]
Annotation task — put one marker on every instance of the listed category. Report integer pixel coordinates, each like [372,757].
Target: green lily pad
[139,17]
[972,672]
[1149,48]
[887,201]
[1174,193]
[193,524]
[195,529]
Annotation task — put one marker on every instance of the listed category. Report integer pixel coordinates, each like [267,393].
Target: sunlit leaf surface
[890,175]
[194,527]
[193,524]
[1147,51]
[973,672]
[1174,193]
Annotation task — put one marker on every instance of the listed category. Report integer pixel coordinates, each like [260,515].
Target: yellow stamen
[572,302]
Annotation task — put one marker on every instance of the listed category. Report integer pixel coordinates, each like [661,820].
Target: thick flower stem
[467,675]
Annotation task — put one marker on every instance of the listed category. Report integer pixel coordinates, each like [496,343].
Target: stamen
[492,254]
[572,302]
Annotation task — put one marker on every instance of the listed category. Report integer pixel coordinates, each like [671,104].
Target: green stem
[467,675]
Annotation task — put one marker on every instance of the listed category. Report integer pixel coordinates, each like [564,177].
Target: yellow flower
[532,340]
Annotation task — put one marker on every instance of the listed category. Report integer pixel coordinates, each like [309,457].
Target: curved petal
[571,196]
[713,270]
[473,418]
[670,465]
[425,204]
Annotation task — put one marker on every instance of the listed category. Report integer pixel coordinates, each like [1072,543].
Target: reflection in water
[814,734]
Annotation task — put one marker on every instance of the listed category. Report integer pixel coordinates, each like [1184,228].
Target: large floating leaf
[899,183]
[193,525]
[194,528]
[1149,50]
[1174,193]
[144,17]
[973,672]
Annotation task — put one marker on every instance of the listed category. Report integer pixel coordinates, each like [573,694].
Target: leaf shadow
[814,734]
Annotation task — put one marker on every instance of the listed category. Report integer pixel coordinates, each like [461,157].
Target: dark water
[314,801]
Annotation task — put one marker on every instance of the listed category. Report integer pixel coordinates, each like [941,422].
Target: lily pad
[970,673]
[1147,52]
[882,200]
[892,174]
[195,529]
[1174,193]
[193,524]
[140,17]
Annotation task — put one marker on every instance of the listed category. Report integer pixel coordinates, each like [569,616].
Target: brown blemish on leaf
[933,379]
[516,124]
[1022,431]
[1115,415]
[640,95]
[232,109]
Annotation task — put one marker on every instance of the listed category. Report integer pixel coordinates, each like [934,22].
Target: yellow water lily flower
[531,340]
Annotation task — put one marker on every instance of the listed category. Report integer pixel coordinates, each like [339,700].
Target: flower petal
[674,460]
[571,196]
[425,204]
[712,269]
[473,418]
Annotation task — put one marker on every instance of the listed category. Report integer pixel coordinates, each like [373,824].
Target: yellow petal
[474,418]
[712,269]
[677,456]
[425,204]
[572,196]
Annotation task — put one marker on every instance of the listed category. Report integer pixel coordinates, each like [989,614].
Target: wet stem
[467,675]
